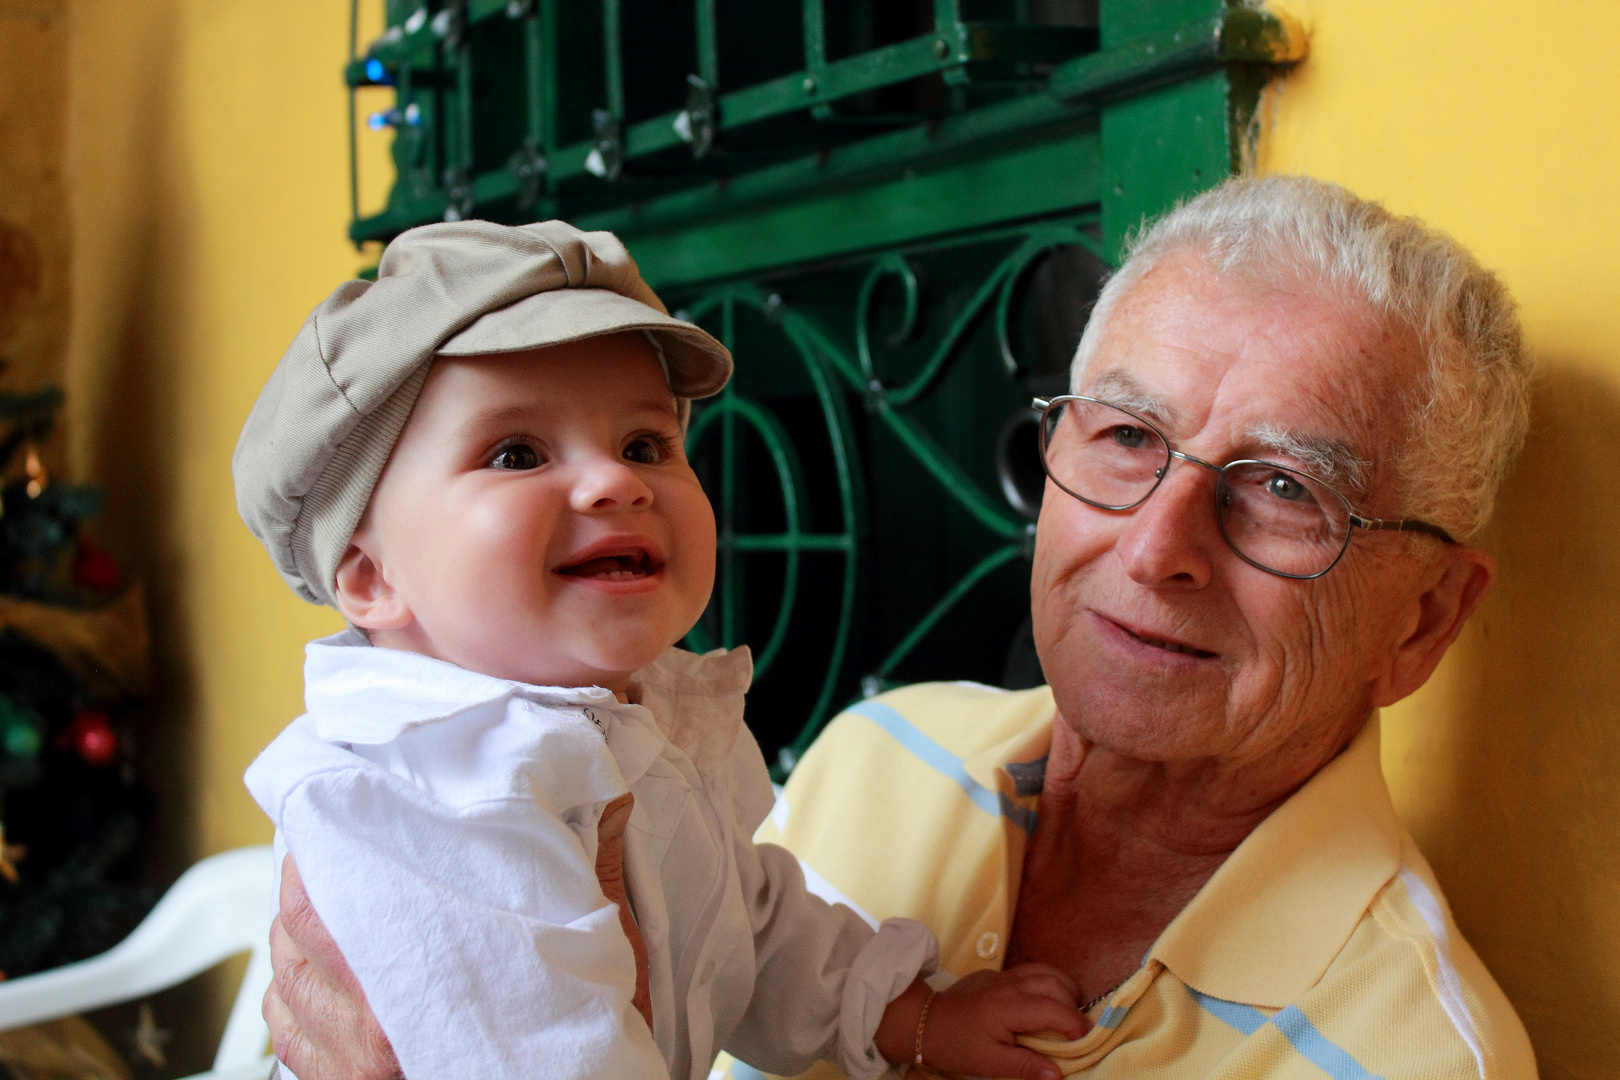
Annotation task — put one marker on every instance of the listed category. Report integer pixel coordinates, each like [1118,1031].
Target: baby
[525,817]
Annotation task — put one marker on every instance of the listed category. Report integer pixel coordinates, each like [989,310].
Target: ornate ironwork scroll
[845,368]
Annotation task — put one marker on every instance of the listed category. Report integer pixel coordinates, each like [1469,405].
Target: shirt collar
[358,693]
[1018,749]
[697,701]
[1264,929]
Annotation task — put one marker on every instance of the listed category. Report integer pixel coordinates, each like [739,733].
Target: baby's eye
[647,449]
[518,456]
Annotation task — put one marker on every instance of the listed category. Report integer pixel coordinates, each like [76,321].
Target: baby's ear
[364,595]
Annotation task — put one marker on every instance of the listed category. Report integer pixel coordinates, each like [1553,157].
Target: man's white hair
[1468,407]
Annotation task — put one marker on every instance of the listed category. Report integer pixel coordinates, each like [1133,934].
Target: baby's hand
[973,1027]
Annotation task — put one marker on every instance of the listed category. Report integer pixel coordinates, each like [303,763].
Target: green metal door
[896,214]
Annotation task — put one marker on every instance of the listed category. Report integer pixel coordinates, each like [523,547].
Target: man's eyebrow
[1333,460]
[1119,388]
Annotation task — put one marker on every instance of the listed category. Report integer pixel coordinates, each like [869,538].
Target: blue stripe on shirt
[1301,1034]
[1241,1017]
[930,753]
[1328,1056]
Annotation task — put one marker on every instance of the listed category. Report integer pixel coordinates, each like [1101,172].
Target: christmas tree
[72,667]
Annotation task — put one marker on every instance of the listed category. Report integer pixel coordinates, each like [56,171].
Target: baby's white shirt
[444,825]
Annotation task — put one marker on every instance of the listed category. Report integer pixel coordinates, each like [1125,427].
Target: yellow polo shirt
[1320,947]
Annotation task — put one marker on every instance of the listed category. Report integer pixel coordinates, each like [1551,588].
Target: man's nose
[1168,540]
[608,483]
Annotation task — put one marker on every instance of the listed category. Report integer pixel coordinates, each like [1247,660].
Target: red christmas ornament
[94,569]
[93,737]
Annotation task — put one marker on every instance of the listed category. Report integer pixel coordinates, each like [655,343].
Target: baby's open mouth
[1169,646]
[627,566]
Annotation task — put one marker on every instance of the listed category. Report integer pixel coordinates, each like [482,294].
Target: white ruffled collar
[356,692]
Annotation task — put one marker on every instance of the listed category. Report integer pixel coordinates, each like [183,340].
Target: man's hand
[973,1027]
[320,1024]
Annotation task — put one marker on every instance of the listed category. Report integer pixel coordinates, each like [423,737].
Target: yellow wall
[207,160]
[1496,122]
[207,167]
[33,216]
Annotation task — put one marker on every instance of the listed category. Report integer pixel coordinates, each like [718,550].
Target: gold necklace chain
[1088,1006]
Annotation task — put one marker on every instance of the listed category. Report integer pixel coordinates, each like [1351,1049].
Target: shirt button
[989,942]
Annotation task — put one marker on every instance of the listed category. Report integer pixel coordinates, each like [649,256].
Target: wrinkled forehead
[1277,300]
[1277,363]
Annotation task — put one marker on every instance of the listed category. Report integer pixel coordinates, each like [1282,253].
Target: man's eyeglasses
[1277,519]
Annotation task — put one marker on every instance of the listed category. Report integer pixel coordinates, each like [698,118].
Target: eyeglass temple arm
[1375,524]
[1402,525]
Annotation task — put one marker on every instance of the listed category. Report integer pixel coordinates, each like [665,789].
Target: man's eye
[1129,437]
[647,450]
[519,456]
[1286,487]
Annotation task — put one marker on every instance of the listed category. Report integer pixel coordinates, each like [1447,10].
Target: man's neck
[1123,845]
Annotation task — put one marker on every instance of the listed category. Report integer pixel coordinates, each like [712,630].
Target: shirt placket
[1019,786]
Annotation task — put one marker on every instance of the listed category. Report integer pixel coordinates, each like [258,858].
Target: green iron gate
[895,212]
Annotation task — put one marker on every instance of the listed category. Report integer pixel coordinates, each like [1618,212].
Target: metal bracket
[459,194]
[696,124]
[529,166]
[606,158]
[450,25]
[410,116]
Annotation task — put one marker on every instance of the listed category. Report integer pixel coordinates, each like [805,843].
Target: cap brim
[699,366]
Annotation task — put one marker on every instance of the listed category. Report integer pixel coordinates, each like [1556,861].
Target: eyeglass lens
[1275,517]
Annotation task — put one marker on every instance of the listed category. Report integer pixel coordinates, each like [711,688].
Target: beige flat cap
[316,441]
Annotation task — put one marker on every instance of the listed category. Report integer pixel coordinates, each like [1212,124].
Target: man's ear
[1466,574]
[364,594]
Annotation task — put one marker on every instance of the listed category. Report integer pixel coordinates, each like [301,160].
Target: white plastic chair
[218,909]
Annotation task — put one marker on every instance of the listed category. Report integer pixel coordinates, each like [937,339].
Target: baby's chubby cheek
[499,577]
[507,542]
[692,561]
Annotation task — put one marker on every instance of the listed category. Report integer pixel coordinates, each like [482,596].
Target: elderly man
[1291,412]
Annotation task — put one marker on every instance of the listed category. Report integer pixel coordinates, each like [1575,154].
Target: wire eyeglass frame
[1355,519]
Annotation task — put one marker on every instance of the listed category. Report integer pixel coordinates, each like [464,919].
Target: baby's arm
[827,987]
[972,1027]
[822,979]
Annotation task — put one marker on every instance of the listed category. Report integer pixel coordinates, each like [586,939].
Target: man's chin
[1154,719]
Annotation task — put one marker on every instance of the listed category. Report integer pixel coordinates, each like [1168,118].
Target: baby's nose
[609,484]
